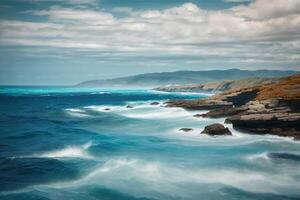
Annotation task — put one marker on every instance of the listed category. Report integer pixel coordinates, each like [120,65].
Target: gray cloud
[258,32]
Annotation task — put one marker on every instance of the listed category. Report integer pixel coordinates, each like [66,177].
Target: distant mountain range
[150,80]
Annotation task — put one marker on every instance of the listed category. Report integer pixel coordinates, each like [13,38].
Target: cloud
[60,15]
[237,1]
[264,9]
[258,32]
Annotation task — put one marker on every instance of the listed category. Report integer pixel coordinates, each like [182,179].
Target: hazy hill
[182,77]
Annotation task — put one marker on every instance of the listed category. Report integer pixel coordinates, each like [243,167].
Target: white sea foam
[162,179]
[76,112]
[157,179]
[105,108]
[68,152]
[121,108]
[158,113]
[101,92]
[144,110]
[87,145]
[260,156]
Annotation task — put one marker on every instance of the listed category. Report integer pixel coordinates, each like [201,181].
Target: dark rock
[208,107]
[294,104]
[129,106]
[227,121]
[276,123]
[106,108]
[186,129]
[203,104]
[198,115]
[242,98]
[223,112]
[215,130]
[154,103]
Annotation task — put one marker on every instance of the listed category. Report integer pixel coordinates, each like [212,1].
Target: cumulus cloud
[61,15]
[263,9]
[262,30]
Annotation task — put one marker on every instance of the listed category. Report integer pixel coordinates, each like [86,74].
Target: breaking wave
[71,151]
[158,178]
[68,152]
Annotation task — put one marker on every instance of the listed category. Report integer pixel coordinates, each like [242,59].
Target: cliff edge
[272,108]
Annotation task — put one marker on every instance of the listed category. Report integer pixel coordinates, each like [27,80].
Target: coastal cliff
[272,108]
[219,86]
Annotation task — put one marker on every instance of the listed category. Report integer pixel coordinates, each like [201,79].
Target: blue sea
[85,144]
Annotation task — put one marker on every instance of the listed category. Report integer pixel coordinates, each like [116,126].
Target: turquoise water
[84,143]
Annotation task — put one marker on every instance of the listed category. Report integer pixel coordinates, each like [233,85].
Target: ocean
[63,143]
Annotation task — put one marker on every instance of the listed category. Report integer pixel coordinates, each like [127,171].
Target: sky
[64,42]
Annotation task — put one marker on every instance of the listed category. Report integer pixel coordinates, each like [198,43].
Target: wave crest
[70,151]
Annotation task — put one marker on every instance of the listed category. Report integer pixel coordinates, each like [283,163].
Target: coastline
[267,109]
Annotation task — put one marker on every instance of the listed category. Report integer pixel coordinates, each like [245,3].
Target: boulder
[154,103]
[106,108]
[186,129]
[215,130]
[198,115]
[129,106]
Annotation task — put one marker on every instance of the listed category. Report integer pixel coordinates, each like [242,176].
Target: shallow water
[77,143]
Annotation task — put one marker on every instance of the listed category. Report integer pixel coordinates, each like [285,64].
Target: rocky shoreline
[268,109]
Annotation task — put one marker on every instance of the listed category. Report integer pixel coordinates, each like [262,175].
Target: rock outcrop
[267,109]
[216,130]
[268,117]
[224,112]
[154,103]
[185,129]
